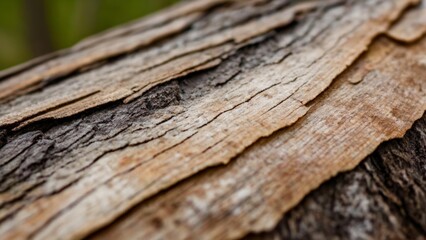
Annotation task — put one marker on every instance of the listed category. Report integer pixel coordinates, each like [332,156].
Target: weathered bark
[383,198]
[216,117]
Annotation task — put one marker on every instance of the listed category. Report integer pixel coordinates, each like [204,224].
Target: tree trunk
[220,119]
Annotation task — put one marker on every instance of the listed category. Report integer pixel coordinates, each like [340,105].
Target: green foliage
[68,20]
[13,48]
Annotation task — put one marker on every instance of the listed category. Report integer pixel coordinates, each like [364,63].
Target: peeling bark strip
[412,26]
[245,81]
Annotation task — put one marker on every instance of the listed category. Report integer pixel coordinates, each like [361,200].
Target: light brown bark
[212,119]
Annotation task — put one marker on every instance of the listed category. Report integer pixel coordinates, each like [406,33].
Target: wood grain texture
[276,94]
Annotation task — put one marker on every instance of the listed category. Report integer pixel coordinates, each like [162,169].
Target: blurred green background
[29,28]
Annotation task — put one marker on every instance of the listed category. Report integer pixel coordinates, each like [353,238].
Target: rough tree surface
[223,119]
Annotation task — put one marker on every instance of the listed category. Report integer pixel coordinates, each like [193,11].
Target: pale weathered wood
[251,94]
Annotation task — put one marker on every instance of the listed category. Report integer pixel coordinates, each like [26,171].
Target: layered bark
[224,115]
[383,198]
